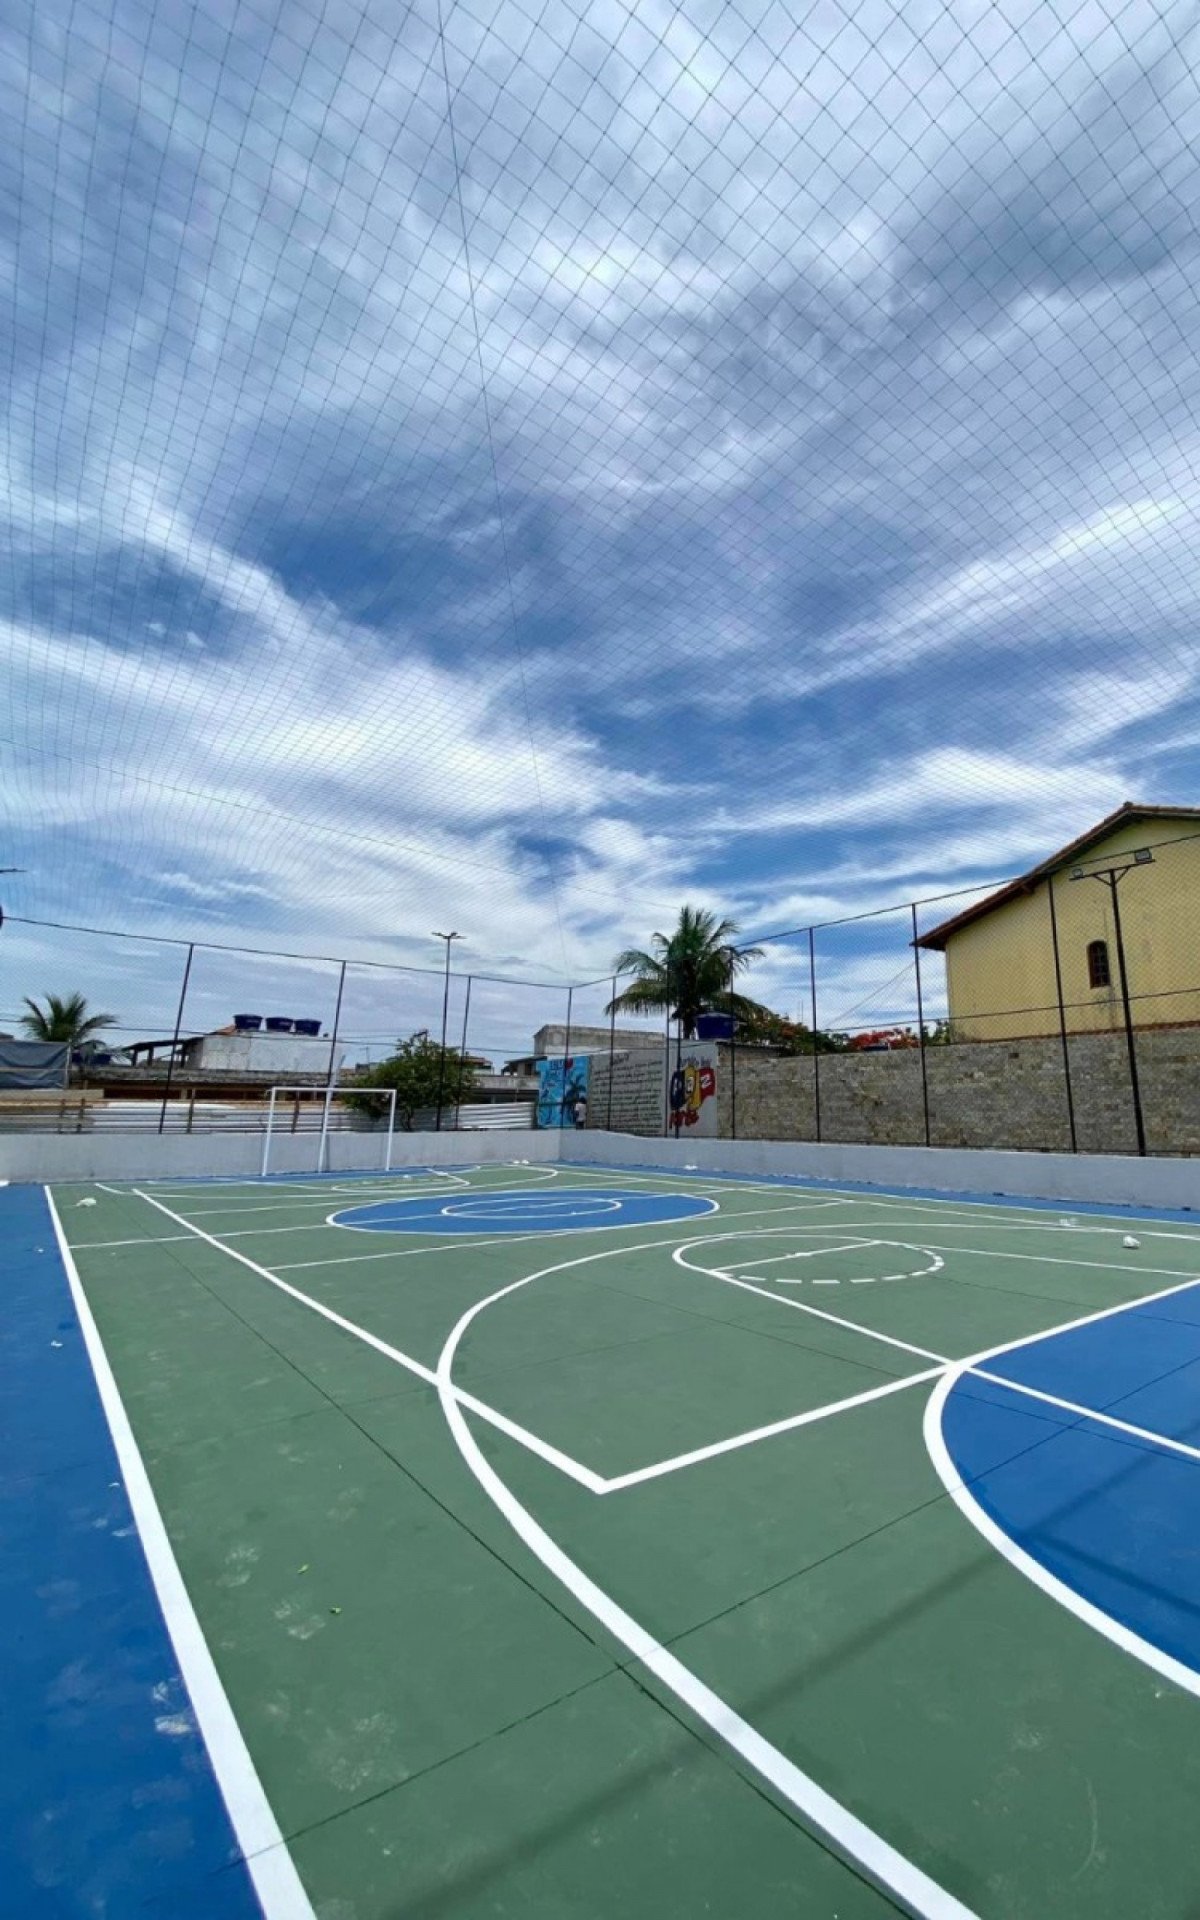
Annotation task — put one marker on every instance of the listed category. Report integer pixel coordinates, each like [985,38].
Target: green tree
[416,1071]
[688,972]
[781,1035]
[61,1019]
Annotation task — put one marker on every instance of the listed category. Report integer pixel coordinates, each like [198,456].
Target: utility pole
[1111,877]
[449,938]
[8,870]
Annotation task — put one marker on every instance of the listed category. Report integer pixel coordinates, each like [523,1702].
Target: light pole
[449,938]
[1111,877]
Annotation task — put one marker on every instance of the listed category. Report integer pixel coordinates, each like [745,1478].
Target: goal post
[313,1111]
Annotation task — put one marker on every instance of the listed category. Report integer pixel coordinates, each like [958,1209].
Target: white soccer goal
[319,1112]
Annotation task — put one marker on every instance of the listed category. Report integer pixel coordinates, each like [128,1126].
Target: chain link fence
[1058,1013]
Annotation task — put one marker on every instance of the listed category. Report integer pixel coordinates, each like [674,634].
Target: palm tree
[61,1019]
[688,971]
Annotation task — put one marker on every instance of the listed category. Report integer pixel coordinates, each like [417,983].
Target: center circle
[534,1206]
[567,1210]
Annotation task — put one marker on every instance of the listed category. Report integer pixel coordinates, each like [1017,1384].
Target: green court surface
[573,1563]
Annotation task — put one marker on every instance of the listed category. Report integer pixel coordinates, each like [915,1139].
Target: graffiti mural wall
[563,1091]
[692,1090]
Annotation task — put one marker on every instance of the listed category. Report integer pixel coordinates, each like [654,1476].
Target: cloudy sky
[520,468]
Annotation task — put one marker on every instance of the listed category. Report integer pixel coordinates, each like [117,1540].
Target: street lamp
[1111,877]
[449,938]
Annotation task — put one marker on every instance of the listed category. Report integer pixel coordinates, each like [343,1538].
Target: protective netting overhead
[519,467]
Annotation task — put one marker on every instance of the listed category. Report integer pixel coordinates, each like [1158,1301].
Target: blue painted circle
[531,1210]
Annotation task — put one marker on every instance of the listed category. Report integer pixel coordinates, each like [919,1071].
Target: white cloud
[831,528]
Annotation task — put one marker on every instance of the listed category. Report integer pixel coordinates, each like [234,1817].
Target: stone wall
[1002,1093]
[996,1093]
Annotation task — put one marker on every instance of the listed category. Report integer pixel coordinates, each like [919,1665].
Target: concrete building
[1002,979]
[550,1041]
[277,1055]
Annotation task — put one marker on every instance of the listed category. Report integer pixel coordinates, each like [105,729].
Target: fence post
[323,1143]
[187,972]
[612,1049]
[562,1104]
[732,1056]
[266,1152]
[462,1058]
[1062,1013]
[667,1057]
[816,1055]
[920,1020]
[1130,1045]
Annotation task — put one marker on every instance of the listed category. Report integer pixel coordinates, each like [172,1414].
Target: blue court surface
[528,1212]
[566,1543]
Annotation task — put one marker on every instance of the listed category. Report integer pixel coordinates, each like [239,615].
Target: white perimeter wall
[1109,1179]
[142,1156]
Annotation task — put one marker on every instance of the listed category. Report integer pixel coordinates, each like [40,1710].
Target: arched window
[1099,974]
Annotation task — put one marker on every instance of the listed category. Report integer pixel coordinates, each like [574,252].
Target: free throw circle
[531,1210]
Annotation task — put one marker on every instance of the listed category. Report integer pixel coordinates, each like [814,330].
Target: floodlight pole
[448,938]
[1111,877]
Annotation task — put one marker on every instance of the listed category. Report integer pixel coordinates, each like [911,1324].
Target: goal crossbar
[326,1095]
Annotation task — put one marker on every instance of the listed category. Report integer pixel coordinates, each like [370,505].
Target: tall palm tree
[63,1019]
[688,971]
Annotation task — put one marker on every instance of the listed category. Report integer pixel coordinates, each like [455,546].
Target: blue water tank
[310,1027]
[247,1022]
[714,1026]
[276,1024]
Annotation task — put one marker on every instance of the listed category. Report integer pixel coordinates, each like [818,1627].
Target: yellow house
[1055,938]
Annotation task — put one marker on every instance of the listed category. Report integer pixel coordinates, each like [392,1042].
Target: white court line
[853,1840]
[816,1253]
[572,1468]
[304,1200]
[596,1483]
[161,1240]
[622,1480]
[276,1882]
[447,1243]
[250,1233]
[1087,1413]
[821,1197]
[613,1226]
[1061,1260]
[848,1196]
[381,1181]
[797,1306]
[1033,1570]
[974,1363]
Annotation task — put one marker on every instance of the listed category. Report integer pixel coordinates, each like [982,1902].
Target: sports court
[554,1540]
